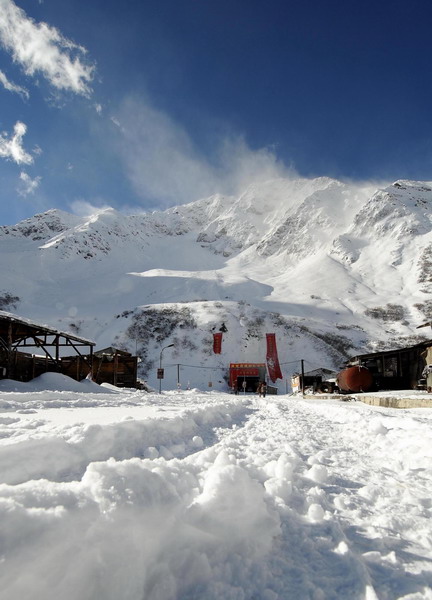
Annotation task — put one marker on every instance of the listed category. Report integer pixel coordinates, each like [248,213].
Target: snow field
[217,497]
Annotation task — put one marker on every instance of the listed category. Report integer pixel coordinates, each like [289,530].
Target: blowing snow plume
[164,163]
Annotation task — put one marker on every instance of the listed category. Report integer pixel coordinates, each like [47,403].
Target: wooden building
[398,369]
[319,380]
[114,366]
[110,365]
[28,349]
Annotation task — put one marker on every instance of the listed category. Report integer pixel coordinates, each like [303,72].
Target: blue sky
[144,104]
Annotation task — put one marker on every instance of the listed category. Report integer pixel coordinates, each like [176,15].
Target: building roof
[111,351]
[424,344]
[26,327]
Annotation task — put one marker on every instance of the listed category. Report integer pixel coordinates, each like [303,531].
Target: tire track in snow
[285,499]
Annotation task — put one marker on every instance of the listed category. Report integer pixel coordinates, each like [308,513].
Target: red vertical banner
[217,343]
[272,358]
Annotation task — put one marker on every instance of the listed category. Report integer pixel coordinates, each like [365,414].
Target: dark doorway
[251,384]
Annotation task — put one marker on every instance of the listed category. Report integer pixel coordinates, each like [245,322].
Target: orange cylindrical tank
[355,379]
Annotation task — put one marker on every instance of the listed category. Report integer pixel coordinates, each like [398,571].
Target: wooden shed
[401,368]
[319,380]
[115,366]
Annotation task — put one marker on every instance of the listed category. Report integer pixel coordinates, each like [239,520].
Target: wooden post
[135,371]
[302,376]
[9,362]
[91,362]
[115,368]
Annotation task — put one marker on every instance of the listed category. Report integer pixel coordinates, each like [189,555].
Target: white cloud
[165,165]
[40,48]
[12,87]
[28,185]
[116,122]
[82,208]
[11,147]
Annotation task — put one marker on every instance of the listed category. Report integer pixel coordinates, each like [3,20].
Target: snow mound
[54,382]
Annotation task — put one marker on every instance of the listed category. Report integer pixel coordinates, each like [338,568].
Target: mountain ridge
[312,258]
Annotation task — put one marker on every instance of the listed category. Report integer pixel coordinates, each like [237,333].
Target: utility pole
[160,372]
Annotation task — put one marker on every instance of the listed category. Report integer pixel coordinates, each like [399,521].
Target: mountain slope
[332,268]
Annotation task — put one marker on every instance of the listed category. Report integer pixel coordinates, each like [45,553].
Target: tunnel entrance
[247,384]
[249,373]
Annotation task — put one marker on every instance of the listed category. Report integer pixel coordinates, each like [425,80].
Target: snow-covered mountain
[332,268]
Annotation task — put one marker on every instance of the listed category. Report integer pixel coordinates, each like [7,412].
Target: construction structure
[28,349]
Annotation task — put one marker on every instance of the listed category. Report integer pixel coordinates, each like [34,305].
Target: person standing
[264,389]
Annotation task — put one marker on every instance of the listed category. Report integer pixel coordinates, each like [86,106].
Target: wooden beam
[39,344]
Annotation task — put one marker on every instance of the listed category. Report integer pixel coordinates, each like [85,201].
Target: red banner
[272,358]
[217,343]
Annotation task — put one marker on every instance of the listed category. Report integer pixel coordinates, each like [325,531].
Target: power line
[320,366]
[291,362]
[197,367]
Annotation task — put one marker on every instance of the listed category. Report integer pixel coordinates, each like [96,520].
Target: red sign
[246,365]
[272,358]
[217,343]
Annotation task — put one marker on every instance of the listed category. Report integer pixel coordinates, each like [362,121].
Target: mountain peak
[42,226]
[310,258]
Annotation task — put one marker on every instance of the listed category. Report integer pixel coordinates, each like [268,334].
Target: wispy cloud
[27,184]
[12,87]
[82,208]
[165,165]
[11,147]
[40,48]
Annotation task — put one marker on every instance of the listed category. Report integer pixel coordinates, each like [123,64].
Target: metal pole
[160,365]
[178,376]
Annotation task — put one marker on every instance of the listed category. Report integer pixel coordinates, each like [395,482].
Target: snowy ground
[125,495]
